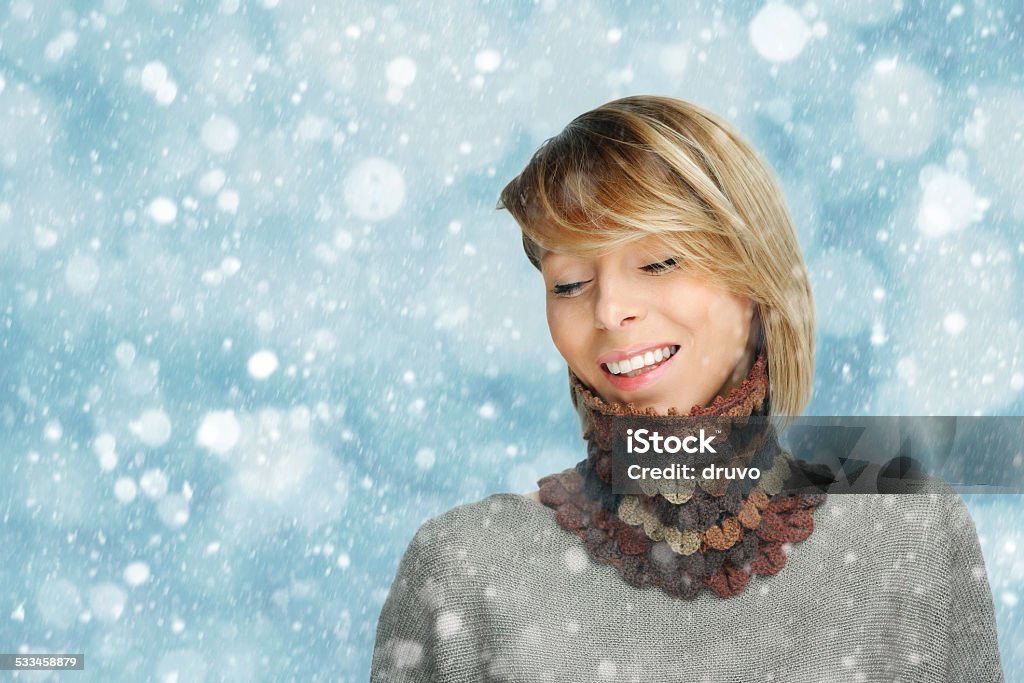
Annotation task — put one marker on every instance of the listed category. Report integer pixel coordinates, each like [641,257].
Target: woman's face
[635,327]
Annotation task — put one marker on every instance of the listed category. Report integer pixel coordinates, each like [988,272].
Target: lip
[616,356]
[623,383]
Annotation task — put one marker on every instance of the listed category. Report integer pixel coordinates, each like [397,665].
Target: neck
[739,373]
[741,370]
[714,533]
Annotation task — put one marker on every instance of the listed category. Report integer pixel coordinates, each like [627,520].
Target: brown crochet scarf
[713,533]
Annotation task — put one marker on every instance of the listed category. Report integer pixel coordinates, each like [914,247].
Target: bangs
[595,187]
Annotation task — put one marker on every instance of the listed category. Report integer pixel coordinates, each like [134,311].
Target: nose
[617,306]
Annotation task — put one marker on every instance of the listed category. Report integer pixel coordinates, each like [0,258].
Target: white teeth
[630,366]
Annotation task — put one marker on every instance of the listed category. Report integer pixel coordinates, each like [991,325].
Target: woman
[676,287]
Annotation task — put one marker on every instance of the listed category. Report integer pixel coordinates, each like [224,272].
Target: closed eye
[568,290]
[660,267]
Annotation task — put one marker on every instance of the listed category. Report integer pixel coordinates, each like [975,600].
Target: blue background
[259,318]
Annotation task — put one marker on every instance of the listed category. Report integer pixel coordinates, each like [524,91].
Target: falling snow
[260,318]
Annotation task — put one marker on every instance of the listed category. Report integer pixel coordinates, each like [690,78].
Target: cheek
[555,327]
[561,326]
[731,317]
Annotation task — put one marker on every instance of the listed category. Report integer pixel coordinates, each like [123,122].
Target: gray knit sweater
[887,588]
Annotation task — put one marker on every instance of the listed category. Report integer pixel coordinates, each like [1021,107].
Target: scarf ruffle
[714,533]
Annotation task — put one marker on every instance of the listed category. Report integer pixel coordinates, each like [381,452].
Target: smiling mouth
[640,363]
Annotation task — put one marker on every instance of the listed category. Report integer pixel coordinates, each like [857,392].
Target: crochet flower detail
[701,533]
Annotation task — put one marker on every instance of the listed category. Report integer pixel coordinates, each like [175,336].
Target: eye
[568,290]
[660,267]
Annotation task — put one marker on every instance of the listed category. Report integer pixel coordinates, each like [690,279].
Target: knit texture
[888,588]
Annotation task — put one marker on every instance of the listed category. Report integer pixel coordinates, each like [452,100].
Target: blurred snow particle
[53,431]
[45,238]
[219,431]
[162,210]
[125,490]
[58,602]
[153,75]
[425,458]
[136,574]
[1009,598]
[954,323]
[212,181]
[878,335]
[153,483]
[104,447]
[106,600]
[262,364]
[154,79]
[230,265]
[64,43]
[81,273]
[487,411]
[487,61]
[374,189]
[575,559]
[778,32]
[173,510]
[153,427]
[125,354]
[344,561]
[343,240]
[3,83]
[673,59]
[448,624]
[228,201]
[897,110]
[103,443]
[219,134]
[401,72]
[607,669]
[166,93]
[948,203]
[407,654]
[842,283]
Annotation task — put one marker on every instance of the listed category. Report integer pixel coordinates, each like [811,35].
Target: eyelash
[573,288]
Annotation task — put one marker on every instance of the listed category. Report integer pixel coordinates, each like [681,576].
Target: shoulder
[468,531]
[933,518]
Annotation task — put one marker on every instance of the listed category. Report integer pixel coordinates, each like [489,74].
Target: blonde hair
[647,165]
